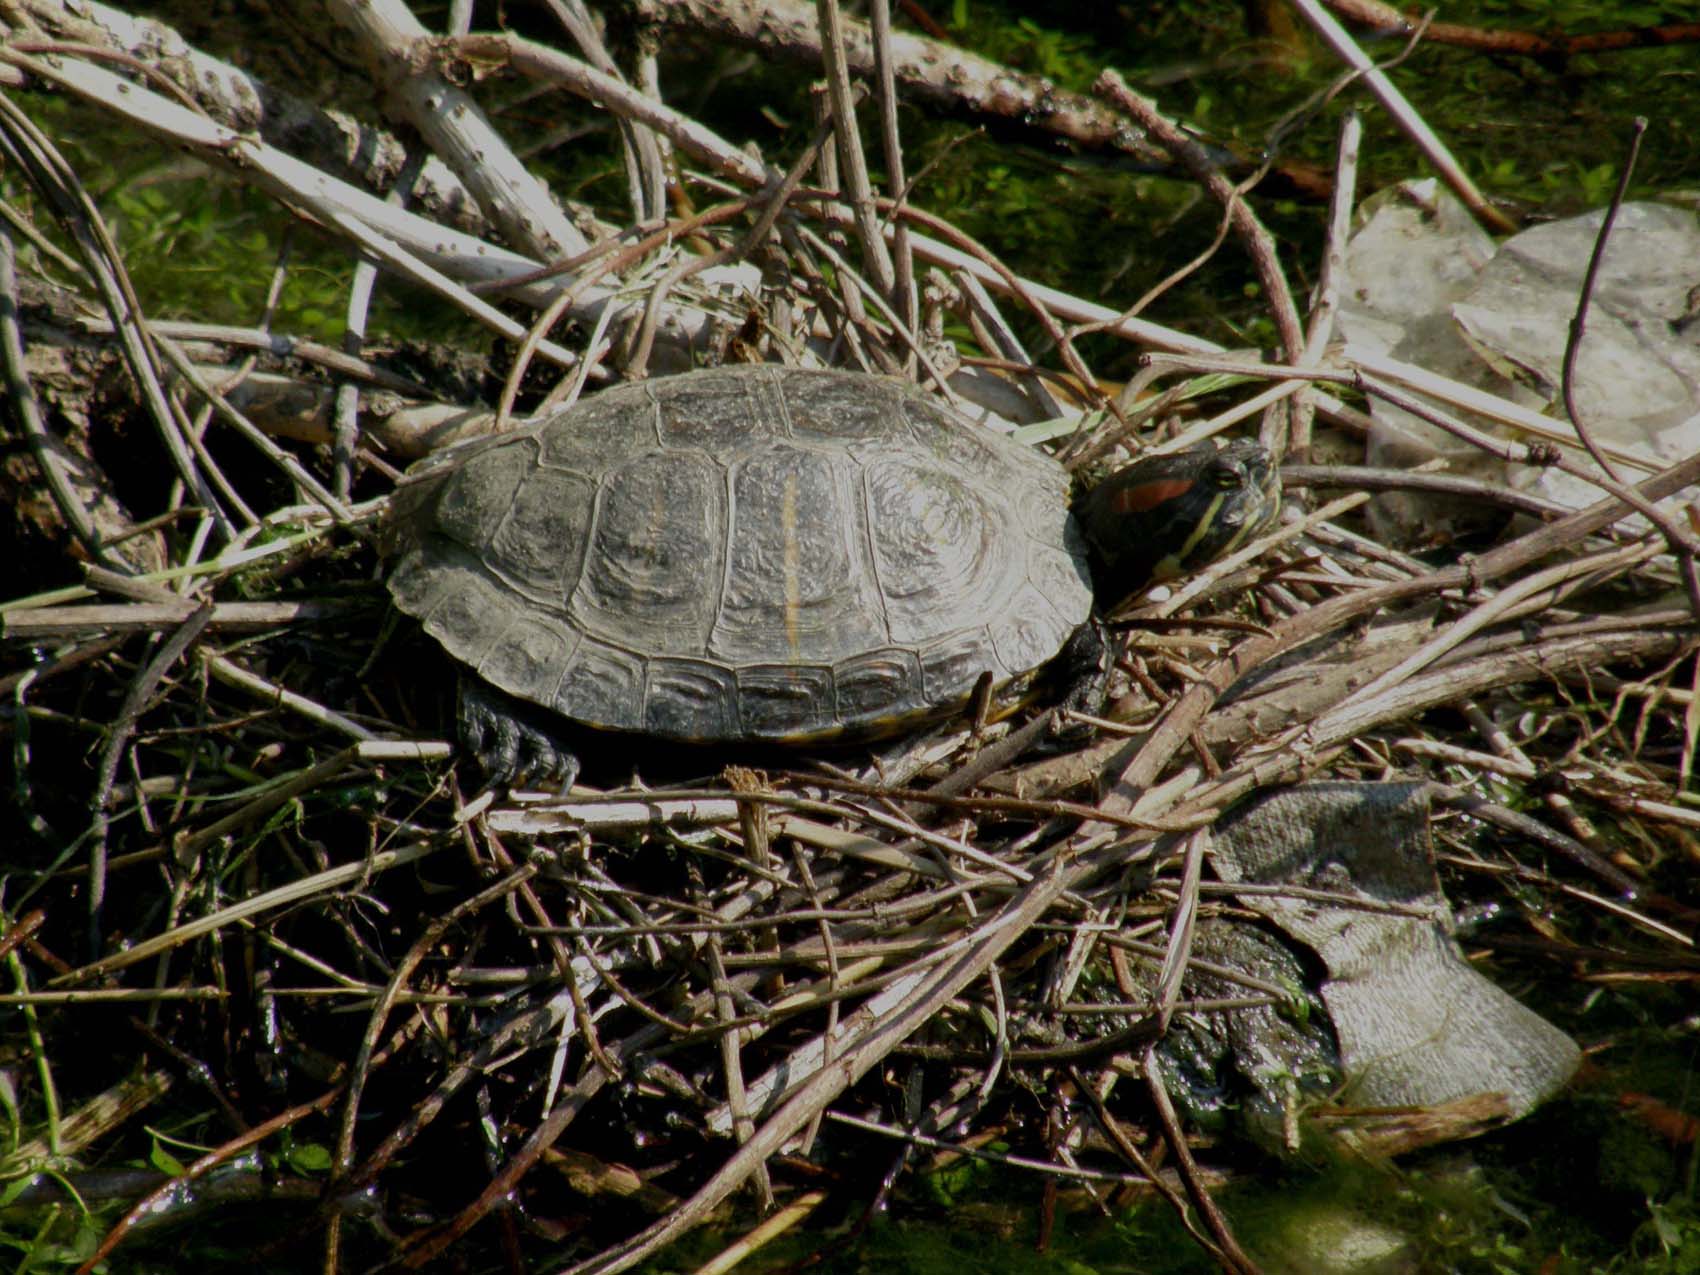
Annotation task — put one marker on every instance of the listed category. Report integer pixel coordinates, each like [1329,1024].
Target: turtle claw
[513,748]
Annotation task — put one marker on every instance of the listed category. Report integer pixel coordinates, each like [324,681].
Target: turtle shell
[743,553]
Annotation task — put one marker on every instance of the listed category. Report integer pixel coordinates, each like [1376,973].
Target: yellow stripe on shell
[793,558]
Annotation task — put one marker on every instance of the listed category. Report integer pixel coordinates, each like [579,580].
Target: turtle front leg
[1083,668]
[512,744]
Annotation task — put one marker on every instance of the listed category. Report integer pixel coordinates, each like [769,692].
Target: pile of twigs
[242,822]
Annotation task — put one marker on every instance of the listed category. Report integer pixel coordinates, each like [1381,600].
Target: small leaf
[310,1157]
[165,1162]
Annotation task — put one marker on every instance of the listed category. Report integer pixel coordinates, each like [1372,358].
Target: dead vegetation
[248,866]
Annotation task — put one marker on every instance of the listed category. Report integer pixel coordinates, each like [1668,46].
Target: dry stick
[1514,764]
[1183,271]
[569,389]
[629,998]
[857,287]
[1590,280]
[36,156]
[294,892]
[565,966]
[1638,741]
[575,265]
[1325,300]
[610,262]
[1139,410]
[646,47]
[936,72]
[22,931]
[72,48]
[425,1246]
[1137,765]
[421,1249]
[535,335]
[416,241]
[49,250]
[1260,246]
[360,1068]
[1385,18]
[1284,760]
[956,1116]
[284,460]
[866,347]
[645,172]
[455,127]
[732,1064]
[841,311]
[855,165]
[229,143]
[1175,1137]
[1379,368]
[1519,824]
[957,251]
[413,267]
[1204,581]
[233,674]
[279,344]
[232,144]
[1391,562]
[769,1229]
[1000,1016]
[1371,371]
[1177,957]
[354,340]
[274,289]
[772,203]
[1501,606]
[49,454]
[150,997]
[123,727]
[1559,802]
[944,794]
[904,299]
[1230,974]
[963,251]
[1371,478]
[1690,730]
[994,335]
[1404,114]
[1129,404]
[363,153]
[834,974]
[989,940]
[232,380]
[704,146]
[519,1032]
[539,61]
[1681,545]
[1134,1156]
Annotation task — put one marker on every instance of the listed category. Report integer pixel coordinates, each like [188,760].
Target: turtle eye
[1227,477]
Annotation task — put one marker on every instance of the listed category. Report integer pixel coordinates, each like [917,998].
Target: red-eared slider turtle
[763,554]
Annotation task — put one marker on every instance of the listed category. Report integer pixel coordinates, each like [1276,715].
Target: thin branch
[1404,114]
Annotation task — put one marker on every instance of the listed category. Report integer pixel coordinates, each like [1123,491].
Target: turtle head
[1166,516]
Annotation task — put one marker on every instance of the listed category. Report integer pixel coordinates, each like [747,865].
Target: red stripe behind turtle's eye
[1139,498]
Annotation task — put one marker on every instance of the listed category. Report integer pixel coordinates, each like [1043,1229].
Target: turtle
[755,554]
